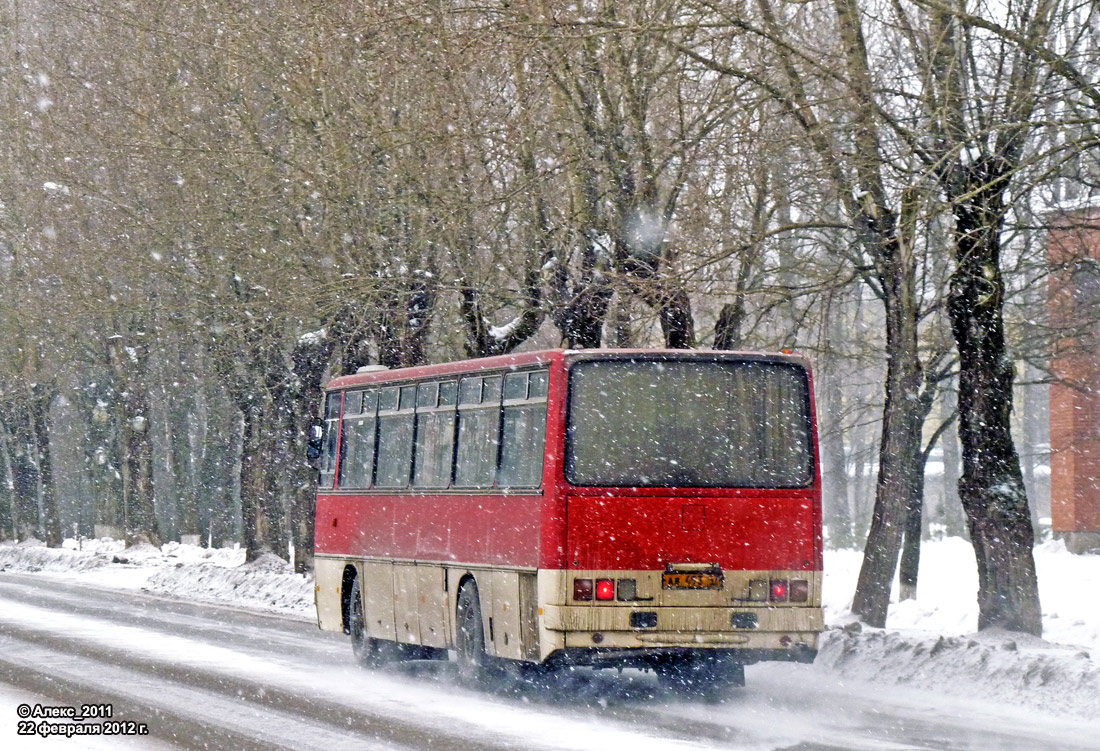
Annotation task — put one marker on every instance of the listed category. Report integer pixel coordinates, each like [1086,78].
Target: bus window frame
[361,416]
[434,409]
[391,414]
[519,403]
[490,391]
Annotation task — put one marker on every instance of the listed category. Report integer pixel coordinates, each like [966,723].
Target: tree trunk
[301,409]
[255,526]
[581,304]
[910,549]
[51,518]
[727,329]
[834,466]
[899,450]
[673,306]
[24,472]
[991,487]
[404,323]
[7,498]
[953,517]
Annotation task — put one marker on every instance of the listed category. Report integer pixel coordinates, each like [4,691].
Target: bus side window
[478,432]
[329,441]
[357,443]
[435,435]
[395,437]
[523,430]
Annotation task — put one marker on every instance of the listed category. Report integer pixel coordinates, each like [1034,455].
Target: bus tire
[470,636]
[367,650]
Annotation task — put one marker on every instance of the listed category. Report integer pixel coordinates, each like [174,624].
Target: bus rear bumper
[772,632]
[647,658]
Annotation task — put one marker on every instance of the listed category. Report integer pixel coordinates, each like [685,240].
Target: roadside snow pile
[268,583]
[931,641]
[32,556]
[186,571]
[947,587]
[1013,668]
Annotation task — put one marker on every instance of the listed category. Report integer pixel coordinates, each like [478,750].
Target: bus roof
[542,357]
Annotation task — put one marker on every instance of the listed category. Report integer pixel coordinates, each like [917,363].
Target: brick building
[1073,302]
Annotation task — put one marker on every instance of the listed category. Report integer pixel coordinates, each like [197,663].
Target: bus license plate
[691,580]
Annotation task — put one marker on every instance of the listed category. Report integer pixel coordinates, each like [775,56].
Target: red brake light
[605,589]
[582,589]
[779,590]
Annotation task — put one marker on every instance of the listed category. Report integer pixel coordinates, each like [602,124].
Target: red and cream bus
[648,508]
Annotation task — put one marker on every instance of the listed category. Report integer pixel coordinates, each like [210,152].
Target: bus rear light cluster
[604,590]
[779,590]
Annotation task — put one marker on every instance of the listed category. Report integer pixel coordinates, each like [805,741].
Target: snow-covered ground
[929,642]
[217,575]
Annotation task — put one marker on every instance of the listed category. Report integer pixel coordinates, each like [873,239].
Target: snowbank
[217,575]
[268,583]
[33,556]
[947,586]
[1007,667]
[930,642]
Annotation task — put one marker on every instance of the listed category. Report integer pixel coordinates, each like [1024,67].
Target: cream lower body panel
[328,576]
[414,602]
[529,615]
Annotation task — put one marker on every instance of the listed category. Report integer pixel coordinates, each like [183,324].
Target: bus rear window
[688,423]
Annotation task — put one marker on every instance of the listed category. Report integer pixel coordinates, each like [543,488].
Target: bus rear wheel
[470,636]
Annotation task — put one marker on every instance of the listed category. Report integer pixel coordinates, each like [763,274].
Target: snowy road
[203,676]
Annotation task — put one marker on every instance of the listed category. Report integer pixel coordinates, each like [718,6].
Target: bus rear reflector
[779,590]
[605,589]
[800,590]
[582,590]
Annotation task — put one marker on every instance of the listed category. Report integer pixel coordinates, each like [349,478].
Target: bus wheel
[367,650]
[469,636]
[705,676]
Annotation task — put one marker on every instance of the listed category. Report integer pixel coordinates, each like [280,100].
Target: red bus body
[411,550]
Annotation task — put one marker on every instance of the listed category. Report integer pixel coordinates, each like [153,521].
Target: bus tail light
[800,590]
[605,589]
[628,589]
[758,590]
[779,590]
[582,590]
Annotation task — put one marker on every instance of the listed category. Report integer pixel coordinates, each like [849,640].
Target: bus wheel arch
[349,582]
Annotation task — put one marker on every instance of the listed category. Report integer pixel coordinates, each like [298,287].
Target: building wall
[1074,310]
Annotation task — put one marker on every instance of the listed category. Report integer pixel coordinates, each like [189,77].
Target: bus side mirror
[315,445]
